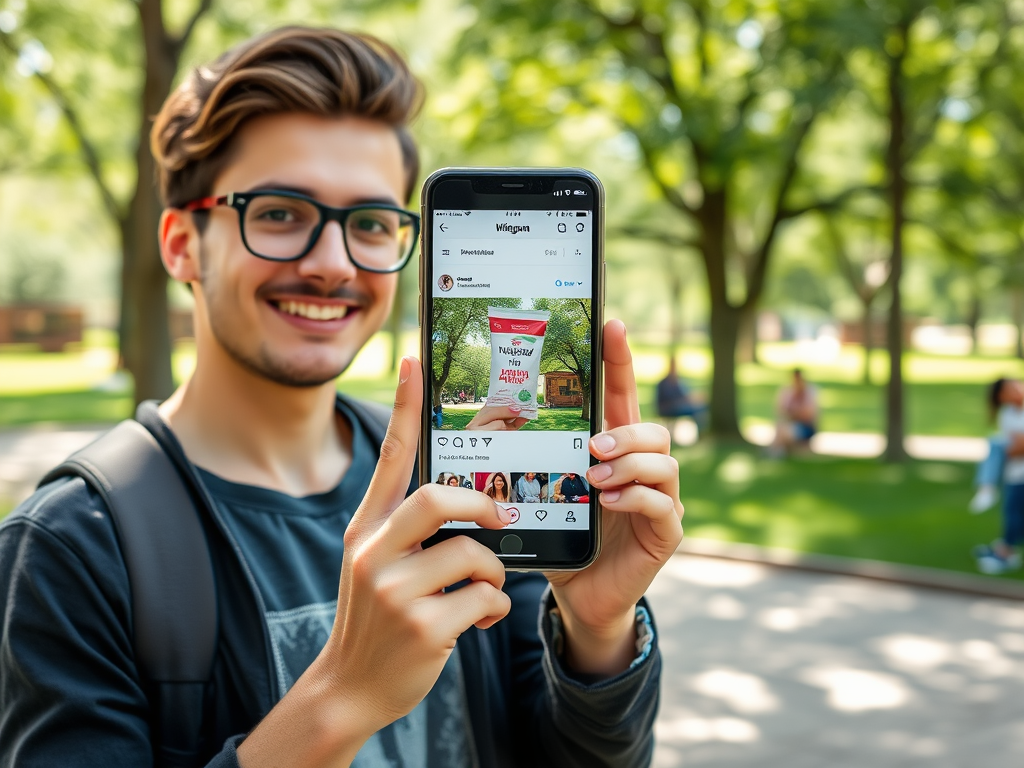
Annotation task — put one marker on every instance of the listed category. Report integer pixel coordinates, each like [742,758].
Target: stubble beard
[260,362]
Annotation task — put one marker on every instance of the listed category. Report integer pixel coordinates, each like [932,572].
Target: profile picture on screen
[495,484]
[569,488]
[529,487]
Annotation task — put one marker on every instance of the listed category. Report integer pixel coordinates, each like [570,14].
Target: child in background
[1007,396]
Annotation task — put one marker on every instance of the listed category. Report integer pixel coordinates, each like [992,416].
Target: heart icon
[541,514]
[442,441]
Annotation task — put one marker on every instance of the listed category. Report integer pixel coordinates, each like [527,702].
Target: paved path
[781,668]
[769,666]
[26,454]
[859,444]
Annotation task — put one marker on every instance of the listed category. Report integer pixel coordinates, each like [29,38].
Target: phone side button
[419,308]
[511,545]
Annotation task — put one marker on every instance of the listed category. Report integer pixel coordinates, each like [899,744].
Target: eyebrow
[273,186]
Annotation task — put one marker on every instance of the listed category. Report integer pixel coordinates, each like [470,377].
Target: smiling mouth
[313,311]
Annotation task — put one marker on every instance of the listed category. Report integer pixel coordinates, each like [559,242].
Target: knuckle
[466,550]
[661,434]
[630,436]
[361,565]
[391,449]
[422,627]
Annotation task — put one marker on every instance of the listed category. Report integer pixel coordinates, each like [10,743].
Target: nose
[329,261]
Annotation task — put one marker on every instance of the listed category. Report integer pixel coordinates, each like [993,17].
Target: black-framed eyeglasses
[279,225]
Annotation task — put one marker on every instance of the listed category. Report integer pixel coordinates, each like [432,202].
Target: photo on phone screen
[509,331]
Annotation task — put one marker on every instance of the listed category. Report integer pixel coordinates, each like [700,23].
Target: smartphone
[511,312]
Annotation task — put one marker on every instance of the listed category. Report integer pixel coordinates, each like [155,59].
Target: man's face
[271,316]
[530,476]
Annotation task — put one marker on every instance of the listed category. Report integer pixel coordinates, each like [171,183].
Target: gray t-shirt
[294,547]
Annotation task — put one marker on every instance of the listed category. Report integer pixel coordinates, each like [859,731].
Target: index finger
[621,405]
[390,480]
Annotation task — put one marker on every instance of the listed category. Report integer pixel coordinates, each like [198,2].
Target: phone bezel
[557,550]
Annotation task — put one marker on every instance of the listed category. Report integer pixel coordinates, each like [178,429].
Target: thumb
[398,451]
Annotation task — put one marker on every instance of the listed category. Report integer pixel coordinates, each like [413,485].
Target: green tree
[567,342]
[908,64]
[718,100]
[139,44]
[453,323]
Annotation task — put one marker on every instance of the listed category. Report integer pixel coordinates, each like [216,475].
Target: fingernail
[610,496]
[404,370]
[599,472]
[503,514]
[515,408]
[603,442]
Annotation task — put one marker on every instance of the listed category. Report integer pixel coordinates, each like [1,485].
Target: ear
[179,245]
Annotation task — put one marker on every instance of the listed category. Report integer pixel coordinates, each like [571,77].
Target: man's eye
[277,215]
[369,225]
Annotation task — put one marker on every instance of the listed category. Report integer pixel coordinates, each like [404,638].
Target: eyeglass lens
[281,228]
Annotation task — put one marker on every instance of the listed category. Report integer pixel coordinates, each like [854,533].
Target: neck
[248,429]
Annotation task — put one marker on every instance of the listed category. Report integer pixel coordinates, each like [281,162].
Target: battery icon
[581,214]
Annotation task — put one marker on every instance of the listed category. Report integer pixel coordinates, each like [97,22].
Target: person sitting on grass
[797,415]
[674,399]
[1007,396]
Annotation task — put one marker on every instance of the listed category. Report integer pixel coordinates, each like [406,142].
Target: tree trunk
[676,284]
[867,338]
[973,318]
[746,342]
[585,411]
[145,339]
[895,450]
[1017,309]
[725,321]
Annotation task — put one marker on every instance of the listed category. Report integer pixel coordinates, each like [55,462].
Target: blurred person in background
[1007,397]
[674,399]
[796,415]
[989,475]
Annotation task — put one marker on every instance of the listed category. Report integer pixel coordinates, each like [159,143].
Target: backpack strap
[173,598]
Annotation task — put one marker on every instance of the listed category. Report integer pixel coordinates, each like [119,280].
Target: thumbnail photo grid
[523,487]
[501,364]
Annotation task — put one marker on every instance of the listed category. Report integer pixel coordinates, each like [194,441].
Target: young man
[303,133]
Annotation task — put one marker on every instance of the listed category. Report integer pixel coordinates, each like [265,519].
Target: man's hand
[639,483]
[394,627]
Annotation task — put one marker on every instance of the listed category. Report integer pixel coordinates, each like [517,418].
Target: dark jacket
[71,695]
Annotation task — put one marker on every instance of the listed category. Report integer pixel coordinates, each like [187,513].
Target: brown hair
[323,72]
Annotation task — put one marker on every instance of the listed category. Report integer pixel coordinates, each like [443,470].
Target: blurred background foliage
[840,162]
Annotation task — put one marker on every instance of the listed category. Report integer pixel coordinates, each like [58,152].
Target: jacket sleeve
[567,721]
[70,692]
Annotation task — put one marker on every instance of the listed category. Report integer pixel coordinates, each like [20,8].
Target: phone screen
[511,361]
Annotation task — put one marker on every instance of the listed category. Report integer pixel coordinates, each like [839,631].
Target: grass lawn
[548,419]
[914,513]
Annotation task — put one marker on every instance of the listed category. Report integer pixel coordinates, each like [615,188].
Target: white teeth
[313,311]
